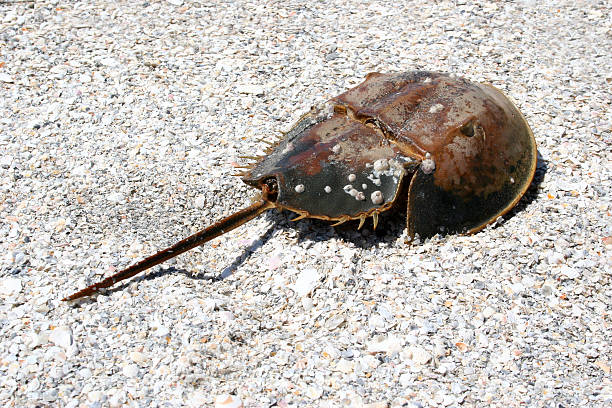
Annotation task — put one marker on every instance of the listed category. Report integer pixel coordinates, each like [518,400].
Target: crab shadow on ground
[203,275]
[390,228]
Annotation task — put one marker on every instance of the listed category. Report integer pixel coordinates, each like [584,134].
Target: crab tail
[227,224]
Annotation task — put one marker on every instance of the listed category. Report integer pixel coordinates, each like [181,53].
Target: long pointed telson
[225,225]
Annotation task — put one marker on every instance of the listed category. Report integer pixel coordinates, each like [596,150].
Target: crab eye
[468,129]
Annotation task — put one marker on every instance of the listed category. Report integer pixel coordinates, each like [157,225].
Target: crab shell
[461,151]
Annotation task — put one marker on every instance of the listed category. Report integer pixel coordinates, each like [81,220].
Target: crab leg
[227,224]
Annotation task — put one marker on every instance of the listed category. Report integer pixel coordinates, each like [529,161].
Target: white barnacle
[377,197]
[327,189]
[381,165]
[512,180]
[374,178]
[336,149]
[364,186]
[353,192]
[436,108]
[360,196]
[428,165]
[347,188]
[299,188]
[352,177]
[427,80]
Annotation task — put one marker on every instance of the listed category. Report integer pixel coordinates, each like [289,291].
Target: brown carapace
[460,152]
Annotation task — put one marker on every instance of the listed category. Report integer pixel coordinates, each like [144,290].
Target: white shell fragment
[385,344]
[360,196]
[306,282]
[352,177]
[299,188]
[418,355]
[250,89]
[6,78]
[381,165]
[377,197]
[10,286]
[228,401]
[336,148]
[61,336]
[327,189]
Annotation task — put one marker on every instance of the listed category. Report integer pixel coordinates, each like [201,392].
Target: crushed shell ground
[121,123]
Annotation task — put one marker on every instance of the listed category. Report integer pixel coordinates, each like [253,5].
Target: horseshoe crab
[461,152]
